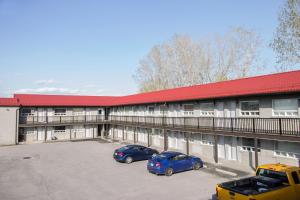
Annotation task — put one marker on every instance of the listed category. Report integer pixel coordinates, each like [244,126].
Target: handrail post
[198,122]
[253,124]
[213,125]
[231,124]
[280,126]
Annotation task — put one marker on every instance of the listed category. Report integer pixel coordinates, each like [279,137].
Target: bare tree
[184,62]
[286,42]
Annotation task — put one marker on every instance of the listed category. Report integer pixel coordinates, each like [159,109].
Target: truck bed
[253,185]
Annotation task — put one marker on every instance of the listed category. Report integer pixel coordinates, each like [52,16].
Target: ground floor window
[60,129]
[248,145]
[204,139]
[286,149]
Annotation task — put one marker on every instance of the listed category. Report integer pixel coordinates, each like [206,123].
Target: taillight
[157,164]
[120,154]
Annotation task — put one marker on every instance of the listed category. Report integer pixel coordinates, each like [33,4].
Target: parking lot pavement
[86,171]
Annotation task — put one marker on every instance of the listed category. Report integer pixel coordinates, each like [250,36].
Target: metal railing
[36,120]
[280,126]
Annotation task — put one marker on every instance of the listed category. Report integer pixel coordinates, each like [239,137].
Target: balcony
[231,126]
[60,120]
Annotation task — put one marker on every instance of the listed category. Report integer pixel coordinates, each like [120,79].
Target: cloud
[48,90]
[45,82]
[57,90]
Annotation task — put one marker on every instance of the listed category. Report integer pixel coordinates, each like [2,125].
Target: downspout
[17,126]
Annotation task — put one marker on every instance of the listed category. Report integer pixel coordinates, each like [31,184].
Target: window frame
[56,130]
[60,113]
[252,113]
[188,112]
[207,113]
[285,111]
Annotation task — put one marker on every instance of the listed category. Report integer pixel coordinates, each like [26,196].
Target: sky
[94,47]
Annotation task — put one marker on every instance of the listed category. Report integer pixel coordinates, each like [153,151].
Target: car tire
[169,172]
[128,160]
[196,166]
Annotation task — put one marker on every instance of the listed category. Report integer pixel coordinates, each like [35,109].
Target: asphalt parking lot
[86,170]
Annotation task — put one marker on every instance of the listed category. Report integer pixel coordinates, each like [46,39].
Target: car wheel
[196,166]
[169,172]
[128,160]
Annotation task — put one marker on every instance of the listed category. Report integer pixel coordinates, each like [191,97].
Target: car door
[179,163]
[147,152]
[140,153]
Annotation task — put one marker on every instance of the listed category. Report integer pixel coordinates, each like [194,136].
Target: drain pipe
[17,126]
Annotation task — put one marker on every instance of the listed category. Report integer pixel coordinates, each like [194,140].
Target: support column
[134,135]
[102,131]
[93,131]
[113,132]
[123,137]
[45,139]
[216,148]
[256,152]
[165,139]
[148,138]
[187,137]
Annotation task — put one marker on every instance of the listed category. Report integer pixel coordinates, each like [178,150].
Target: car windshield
[159,157]
[272,174]
[125,148]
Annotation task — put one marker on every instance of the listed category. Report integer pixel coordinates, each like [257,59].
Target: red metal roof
[267,84]
[287,82]
[9,102]
[63,100]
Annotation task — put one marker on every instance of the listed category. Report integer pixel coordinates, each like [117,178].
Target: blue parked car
[131,153]
[171,162]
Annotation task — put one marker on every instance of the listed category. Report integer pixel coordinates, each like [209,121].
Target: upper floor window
[207,109]
[27,112]
[285,107]
[60,111]
[151,110]
[99,112]
[162,109]
[188,109]
[249,108]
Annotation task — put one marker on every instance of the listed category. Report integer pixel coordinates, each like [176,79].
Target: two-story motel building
[239,123]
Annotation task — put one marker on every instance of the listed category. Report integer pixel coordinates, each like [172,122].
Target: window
[151,110]
[249,108]
[29,130]
[60,111]
[162,109]
[59,129]
[248,145]
[188,109]
[27,112]
[295,177]
[207,109]
[207,139]
[286,149]
[99,112]
[285,107]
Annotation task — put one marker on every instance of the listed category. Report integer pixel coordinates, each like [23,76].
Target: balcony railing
[280,126]
[37,120]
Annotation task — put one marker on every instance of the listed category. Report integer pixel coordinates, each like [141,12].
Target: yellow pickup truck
[272,182]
